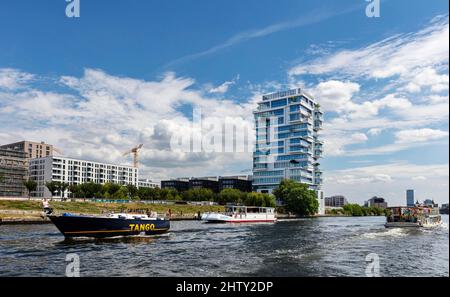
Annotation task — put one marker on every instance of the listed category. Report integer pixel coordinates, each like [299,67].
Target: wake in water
[394,232]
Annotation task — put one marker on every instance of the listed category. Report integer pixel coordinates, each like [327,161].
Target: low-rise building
[13,172]
[179,184]
[74,171]
[211,183]
[335,201]
[241,182]
[430,202]
[376,202]
[214,183]
[147,183]
[31,148]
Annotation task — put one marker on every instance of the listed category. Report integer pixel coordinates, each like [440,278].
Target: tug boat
[111,225]
[413,217]
[242,214]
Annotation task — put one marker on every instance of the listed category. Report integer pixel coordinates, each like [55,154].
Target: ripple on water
[307,247]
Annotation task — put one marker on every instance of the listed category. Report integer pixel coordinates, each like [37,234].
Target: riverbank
[30,212]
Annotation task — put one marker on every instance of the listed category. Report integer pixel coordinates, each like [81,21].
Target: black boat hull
[101,227]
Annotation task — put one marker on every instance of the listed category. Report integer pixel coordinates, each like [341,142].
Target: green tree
[121,193]
[76,191]
[297,197]
[169,194]
[269,200]
[230,196]
[61,188]
[259,199]
[90,189]
[132,191]
[52,186]
[30,185]
[200,194]
[110,189]
[353,210]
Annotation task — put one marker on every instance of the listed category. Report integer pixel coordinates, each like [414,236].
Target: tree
[90,189]
[121,193]
[354,210]
[200,194]
[230,196]
[259,199]
[76,191]
[31,186]
[297,197]
[110,189]
[52,187]
[132,191]
[168,194]
[61,188]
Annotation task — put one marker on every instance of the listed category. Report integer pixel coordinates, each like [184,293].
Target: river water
[307,247]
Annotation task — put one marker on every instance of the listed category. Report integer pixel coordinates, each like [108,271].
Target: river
[328,246]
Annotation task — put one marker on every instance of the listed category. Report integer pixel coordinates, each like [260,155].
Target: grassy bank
[13,209]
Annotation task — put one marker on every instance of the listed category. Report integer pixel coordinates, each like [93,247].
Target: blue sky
[126,72]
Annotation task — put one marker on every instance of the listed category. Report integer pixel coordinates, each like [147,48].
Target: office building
[410,198]
[75,171]
[335,201]
[214,183]
[429,202]
[147,183]
[211,183]
[13,172]
[179,184]
[242,183]
[376,202]
[32,149]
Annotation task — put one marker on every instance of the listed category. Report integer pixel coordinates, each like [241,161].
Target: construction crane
[135,152]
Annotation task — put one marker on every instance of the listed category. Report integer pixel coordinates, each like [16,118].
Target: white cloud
[360,183]
[13,79]
[335,96]
[428,77]
[374,131]
[104,115]
[419,135]
[223,88]
[404,55]
[394,85]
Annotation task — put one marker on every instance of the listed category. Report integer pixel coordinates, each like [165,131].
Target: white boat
[242,214]
[413,217]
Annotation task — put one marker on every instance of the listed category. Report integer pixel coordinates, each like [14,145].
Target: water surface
[306,247]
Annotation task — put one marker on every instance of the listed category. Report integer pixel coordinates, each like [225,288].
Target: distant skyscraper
[409,198]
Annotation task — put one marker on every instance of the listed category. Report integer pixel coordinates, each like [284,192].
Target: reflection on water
[306,247]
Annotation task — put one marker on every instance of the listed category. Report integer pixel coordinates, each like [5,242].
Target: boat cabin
[230,210]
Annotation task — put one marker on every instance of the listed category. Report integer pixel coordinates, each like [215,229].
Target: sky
[130,72]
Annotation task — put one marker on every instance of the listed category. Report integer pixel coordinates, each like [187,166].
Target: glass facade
[288,145]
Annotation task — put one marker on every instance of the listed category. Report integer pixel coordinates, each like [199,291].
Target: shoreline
[26,212]
[41,221]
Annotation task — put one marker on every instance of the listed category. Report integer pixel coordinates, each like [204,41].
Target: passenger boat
[116,224]
[242,214]
[415,217]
